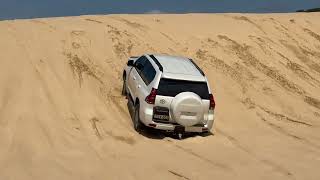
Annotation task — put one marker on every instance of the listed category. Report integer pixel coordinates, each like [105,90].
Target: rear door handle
[139,86]
[134,78]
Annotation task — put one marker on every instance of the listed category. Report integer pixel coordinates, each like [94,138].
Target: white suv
[168,93]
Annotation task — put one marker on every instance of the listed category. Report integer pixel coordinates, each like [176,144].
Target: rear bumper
[146,119]
[171,127]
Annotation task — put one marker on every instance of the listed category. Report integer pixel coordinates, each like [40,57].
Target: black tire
[136,120]
[124,90]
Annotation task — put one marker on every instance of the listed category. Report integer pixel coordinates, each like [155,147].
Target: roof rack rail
[157,62]
[197,67]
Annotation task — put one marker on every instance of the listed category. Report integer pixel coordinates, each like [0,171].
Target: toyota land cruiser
[168,93]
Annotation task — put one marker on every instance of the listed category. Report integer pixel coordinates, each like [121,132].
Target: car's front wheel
[136,121]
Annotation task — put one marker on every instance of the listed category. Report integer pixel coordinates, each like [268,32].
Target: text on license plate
[157,116]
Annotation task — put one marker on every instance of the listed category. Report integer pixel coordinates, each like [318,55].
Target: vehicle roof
[175,67]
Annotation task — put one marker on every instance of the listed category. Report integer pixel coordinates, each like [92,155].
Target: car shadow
[152,133]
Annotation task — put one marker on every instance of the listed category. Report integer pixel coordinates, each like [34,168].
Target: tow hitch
[179,131]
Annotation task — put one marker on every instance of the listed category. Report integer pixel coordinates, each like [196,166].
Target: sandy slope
[62,116]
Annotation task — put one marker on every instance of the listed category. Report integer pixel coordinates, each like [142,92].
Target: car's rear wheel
[124,90]
[136,121]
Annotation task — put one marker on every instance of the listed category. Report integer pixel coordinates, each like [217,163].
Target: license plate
[162,117]
[161,113]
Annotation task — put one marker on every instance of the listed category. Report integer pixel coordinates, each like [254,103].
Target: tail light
[212,102]
[151,98]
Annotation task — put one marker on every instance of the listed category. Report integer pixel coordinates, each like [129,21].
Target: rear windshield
[172,87]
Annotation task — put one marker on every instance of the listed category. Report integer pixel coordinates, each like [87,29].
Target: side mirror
[130,63]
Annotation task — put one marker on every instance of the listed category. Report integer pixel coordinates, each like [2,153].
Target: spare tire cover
[187,109]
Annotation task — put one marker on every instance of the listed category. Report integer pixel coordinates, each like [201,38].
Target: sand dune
[62,116]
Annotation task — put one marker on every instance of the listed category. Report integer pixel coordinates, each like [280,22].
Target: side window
[148,73]
[140,63]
